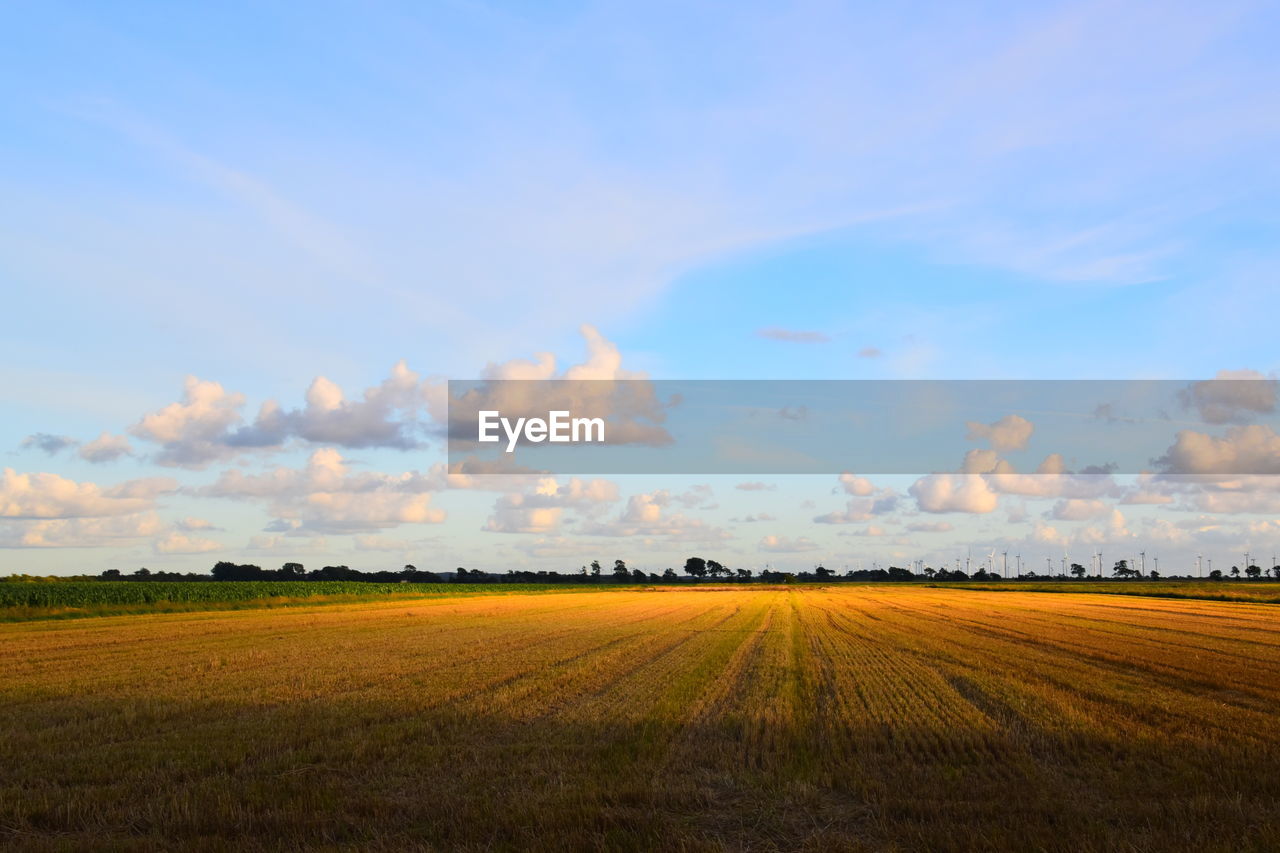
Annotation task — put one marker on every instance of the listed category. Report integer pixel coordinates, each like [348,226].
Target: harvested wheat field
[748,718]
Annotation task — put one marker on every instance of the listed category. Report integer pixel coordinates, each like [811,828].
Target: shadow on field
[82,772]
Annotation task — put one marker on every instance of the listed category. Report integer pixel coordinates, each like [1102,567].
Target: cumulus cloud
[861,509]
[46,495]
[1048,535]
[931,527]
[648,515]
[1012,432]
[1050,480]
[756,487]
[1114,530]
[325,496]
[106,448]
[385,416]
[786,545]
[80,532]
[540,509]
[49,443]
[855,485]
[969,493]
[755,517]
[1078,509]
[794,336]
[868,501]
[1233,395]
[1250,449]
[192,432]
[597,388]
[207,425]
[177,542]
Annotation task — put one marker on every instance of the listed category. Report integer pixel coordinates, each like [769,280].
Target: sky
[243,245]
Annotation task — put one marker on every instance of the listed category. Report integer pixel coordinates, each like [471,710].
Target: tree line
[695,569]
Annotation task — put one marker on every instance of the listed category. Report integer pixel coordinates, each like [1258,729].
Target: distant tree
[929,572]
[111,575]
[823,572]
[1215,575]
[1155,575]
[620,570]
[1275,570]
[695,567]
[1122,570]
[1253,571]
[1077,570]
[639,576]
[744,574]
[714,568]
[595,568]
[296,570]
[669,575]
[1235,571]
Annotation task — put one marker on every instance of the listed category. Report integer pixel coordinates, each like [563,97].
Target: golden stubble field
[823,719]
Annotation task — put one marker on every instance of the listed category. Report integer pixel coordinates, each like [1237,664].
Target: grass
[837,718]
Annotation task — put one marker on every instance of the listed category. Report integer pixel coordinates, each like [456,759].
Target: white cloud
[954,493]
[1012,432]
[45,495]
[1250,449]
[931,527]
[1078,509]
[1232,395]
[325,496]
[106,448]
[858,486]
[540,509]
[181,543]
[786,545]
[192,432]
[647,514]
[80,532]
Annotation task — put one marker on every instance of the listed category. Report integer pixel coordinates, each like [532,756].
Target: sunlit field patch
[820,718]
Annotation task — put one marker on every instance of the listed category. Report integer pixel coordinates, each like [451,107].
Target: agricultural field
[58,599]
[1261,592]
[837,718]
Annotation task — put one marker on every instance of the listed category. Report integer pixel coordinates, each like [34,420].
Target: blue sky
[259,196]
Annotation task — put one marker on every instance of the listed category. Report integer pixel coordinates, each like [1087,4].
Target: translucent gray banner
[1218,427]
